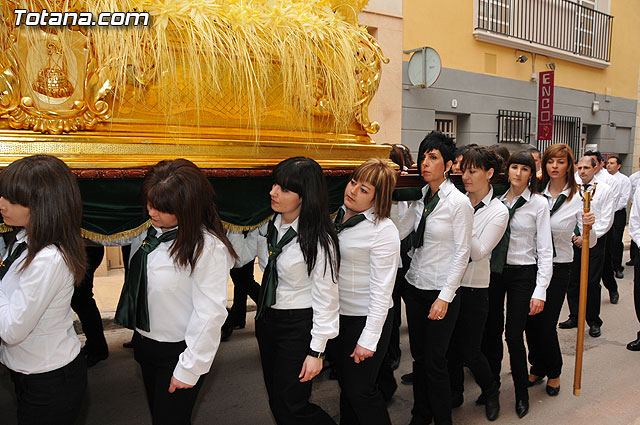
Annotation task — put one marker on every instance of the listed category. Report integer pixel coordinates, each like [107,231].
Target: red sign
[545,105]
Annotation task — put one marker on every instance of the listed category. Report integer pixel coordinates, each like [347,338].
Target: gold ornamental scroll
[224,83]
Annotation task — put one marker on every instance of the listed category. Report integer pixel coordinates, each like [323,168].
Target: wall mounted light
[522,59]
[551,66]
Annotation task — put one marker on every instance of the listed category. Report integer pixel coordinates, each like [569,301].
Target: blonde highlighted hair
[382,177]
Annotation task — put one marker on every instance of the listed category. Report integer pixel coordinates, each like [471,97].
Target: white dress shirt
[245,245]
[602,207]
[489,224]
[530,241]
[635,179]
[187,305]
[296,289]
[623,185]
[563,223]
[603,176]
[441,261]
[369,257]
[36,322]
[634,218]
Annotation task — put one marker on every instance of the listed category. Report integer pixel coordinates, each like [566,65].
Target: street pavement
[234,394]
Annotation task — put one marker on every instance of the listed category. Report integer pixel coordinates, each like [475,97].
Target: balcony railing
[559,24]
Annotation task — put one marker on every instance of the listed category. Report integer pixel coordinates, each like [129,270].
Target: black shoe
[407,379]
[226,332]
[394,364]
[522,408]
[456,399]
[553,391]
[568,324]
[629,263]
[594,331]
[93,359]
[614,297]
[492,406]
[634,345]
[536,381]
[128,344]
[619,274]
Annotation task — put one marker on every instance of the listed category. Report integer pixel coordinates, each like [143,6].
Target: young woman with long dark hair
[175,294]
[442,224]
[298,302]
[370,253]
[490,219]
[521,268]
[40,197]
[560,190]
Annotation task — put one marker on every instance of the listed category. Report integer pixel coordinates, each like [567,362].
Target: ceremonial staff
[587,196]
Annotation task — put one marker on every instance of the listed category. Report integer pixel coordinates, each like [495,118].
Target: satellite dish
[424,67]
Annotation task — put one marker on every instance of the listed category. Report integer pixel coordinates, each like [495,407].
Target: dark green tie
[13,256]
[269,284]
[477,207]
[499,253]
[352,221]
[418,234]
[133,307]
[556,206]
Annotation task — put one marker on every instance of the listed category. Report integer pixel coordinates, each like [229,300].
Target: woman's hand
[577,241]
[178,385]
[438,310]
[535,306]
[360,354]
[311,367]
[588,219]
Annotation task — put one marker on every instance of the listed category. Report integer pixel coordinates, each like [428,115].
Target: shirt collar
[160,230]
[526,195]
[487,199]
[444,189]
[21,236]
[285,227]
[368,214]
[564,192]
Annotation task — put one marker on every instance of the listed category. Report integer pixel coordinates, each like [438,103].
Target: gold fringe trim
[236,228]
[4,228]
[127,234]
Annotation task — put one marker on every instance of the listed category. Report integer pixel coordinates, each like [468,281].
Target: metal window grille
[562,24]
[446,126]
[565,130]
[514,126]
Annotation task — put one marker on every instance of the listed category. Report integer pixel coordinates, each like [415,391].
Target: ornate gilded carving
[67,91]
[369,72]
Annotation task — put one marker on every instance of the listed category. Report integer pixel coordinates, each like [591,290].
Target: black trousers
[608,266]
[633,251]
[542,333]
[596,263]
[636,281]
[157,361]
[85,306]
[466,341]
[361,402]
[619,222]
[517,284]
[243,285]
[429,341]
[283,338]
[51,398]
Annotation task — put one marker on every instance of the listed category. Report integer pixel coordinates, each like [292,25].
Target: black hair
[46,186]
[180,188]
[617,158]
[304,177]
[440,142]
[525,158]
[597,154]
[481,157]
